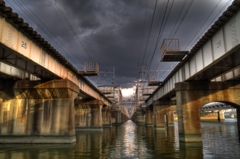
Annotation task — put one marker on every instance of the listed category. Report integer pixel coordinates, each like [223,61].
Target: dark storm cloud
[111,31]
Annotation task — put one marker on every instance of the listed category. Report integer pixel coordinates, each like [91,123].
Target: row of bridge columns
[49,112]
[190,97]
[157,116]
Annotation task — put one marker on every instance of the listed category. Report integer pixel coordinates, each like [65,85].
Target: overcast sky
[116,33]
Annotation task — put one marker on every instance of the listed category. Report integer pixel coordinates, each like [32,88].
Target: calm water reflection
[128,141]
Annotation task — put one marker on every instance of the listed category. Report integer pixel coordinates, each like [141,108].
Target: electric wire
[59,8]
[159,36]
[172,66]
[35,19]
[143,31]
[226,5]
[179,15]
[182,20]
[149,34]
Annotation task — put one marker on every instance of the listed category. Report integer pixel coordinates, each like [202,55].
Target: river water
[128,141]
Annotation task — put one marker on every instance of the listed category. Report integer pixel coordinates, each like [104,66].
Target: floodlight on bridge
[91,68]
[170,50]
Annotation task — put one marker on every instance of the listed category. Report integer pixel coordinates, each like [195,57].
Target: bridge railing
[91,68]
[147,91]
[171,44]
[170,50]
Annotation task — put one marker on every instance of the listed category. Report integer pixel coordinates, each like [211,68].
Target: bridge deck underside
[226,64]
[15,59]
[174,55]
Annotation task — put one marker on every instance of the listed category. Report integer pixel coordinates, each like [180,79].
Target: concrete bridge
[42,96]
[208,73]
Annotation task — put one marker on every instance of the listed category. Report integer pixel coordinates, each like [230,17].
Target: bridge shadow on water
[129,141]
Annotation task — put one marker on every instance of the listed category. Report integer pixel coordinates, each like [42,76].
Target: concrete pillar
[118,118]
[82,116]
[113,120]
[159,114]
[39,112]
[106,116]
[221,116]
[149,116]
[88,115]
[170,118]
[96,110]
[140,119]
[188,114]
[159,122]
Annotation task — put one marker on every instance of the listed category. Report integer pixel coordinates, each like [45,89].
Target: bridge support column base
[37,139]
[171,124]
[160,128]
[89,128]
[190,138]
[107,125]
[149,125]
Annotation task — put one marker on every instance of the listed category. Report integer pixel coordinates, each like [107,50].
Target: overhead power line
[48,34]
[163,24]
[59,8]
[149,33]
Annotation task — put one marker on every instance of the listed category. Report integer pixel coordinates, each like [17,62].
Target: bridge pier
[193,95]
[149,116]
[118,118]
[170,118]
[159,119]
[163,114]
[140,118]
[221,116]
[38,112]
[88,115]
[106,116]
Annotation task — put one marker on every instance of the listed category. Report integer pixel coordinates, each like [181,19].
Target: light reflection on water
[128,141]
